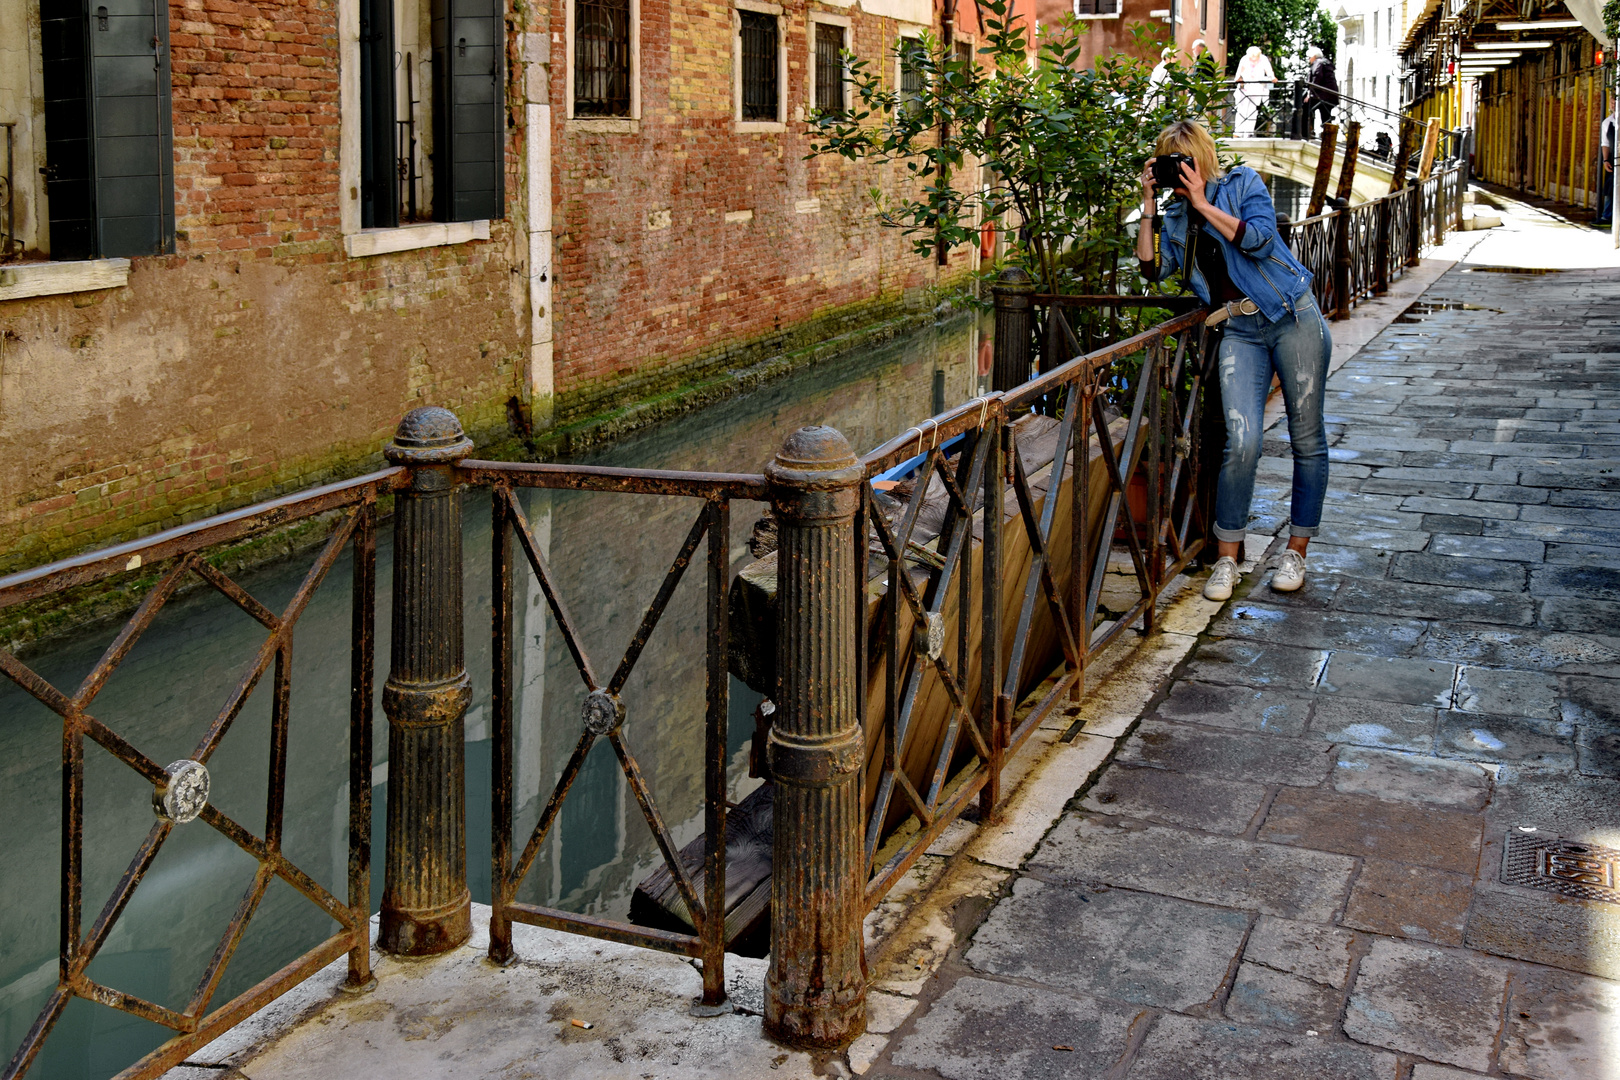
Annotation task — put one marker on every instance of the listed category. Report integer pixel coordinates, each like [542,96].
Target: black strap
[1195,228]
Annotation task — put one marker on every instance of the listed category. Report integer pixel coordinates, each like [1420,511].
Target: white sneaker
[1290,573]
[1222,580]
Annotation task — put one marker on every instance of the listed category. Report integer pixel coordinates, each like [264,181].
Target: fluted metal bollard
[426,908]
[1015,312]
[815,992]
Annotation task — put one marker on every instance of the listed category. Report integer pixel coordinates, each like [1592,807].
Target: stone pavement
[1293,866]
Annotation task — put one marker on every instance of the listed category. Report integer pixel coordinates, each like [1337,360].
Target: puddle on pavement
[1424,309]
[1534,270]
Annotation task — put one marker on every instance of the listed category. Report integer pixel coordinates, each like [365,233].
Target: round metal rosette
[930,635]
[603,712]
[186,793]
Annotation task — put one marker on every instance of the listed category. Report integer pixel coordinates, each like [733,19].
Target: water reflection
[609,552]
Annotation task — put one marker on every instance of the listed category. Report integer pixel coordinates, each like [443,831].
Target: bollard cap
[428,436]
[815,460]
[1015,279]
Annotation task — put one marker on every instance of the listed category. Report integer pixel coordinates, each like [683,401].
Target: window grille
[829,68]
[911,78]
[601,57]
[1096,7]
[759,75]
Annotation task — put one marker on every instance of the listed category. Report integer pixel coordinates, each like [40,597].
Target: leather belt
[1236,307]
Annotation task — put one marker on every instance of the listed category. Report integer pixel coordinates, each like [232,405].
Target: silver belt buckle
[1245,307]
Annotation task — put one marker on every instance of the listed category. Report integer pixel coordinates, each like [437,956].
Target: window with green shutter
[109,159]
[469,110]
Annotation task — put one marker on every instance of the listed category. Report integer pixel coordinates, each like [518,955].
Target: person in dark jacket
[1322,91]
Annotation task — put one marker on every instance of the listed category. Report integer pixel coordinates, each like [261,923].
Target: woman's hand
[1147,180]
[1193,185]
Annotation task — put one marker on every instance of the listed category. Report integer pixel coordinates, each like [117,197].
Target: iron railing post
[1414,235]
[1381,248]
[1341,262]
[426,908]
[815,992]
[1014,293]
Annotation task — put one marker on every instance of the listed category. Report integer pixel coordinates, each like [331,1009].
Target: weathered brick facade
[635,257]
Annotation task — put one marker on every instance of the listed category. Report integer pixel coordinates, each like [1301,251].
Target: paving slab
[1261,995]
[1197,802]
[1363,722]
[1247,663]
[1273,712]
[1372,634]
[1507,691]
[1435,602]
[980,1029]
[1384,678]
[1185,1048]
[1470,573]
[1130,947]
[1317,953]
[1272,879]
[1519,740]
[1526,649]
[1386,828]
[1562,1027]
[1263,759]
[1402,900]
[1414,777]
[1544,928]
[1442,1004]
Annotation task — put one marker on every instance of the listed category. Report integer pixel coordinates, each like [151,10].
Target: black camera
[1167,170]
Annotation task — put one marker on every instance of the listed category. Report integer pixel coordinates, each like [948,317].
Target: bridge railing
[1355,251]
[180,790]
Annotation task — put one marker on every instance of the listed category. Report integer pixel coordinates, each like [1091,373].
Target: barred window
[829,68]
[760,91]
[601,57]
[1096,7]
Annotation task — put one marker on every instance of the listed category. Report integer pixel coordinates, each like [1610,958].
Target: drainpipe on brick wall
[947,37]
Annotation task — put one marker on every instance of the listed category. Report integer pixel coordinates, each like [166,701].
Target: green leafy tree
[1060,147]
[1283,29]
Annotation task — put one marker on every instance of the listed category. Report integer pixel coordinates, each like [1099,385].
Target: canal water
[609,553]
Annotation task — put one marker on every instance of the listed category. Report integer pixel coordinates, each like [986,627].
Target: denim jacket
[1261,266]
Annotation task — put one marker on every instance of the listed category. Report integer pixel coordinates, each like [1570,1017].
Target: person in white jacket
[1254,82]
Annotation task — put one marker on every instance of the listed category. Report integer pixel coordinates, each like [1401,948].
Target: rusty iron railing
[1354,252]
[1163,439]
[181,789]
[604,711]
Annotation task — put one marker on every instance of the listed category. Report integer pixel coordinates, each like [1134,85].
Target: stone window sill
[606,125]
[412,237]
[762,127]
[1085,18]
[54,278]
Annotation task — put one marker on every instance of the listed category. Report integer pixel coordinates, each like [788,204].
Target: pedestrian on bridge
[1220,231]
[1321,90]
[1254,82]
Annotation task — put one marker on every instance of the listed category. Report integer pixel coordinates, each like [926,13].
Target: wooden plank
[1431,141]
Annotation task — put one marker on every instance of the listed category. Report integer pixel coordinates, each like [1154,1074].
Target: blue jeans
[1296,348]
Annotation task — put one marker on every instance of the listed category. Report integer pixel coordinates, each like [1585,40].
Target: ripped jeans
[1297,349]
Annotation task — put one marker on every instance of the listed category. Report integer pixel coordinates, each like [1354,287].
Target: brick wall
[259,358]
[683,243]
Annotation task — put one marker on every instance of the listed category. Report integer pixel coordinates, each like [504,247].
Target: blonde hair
[1193,139]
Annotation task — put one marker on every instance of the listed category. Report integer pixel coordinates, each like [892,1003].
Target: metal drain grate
[1584,871]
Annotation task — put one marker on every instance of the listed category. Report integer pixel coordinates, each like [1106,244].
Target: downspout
[947,29]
